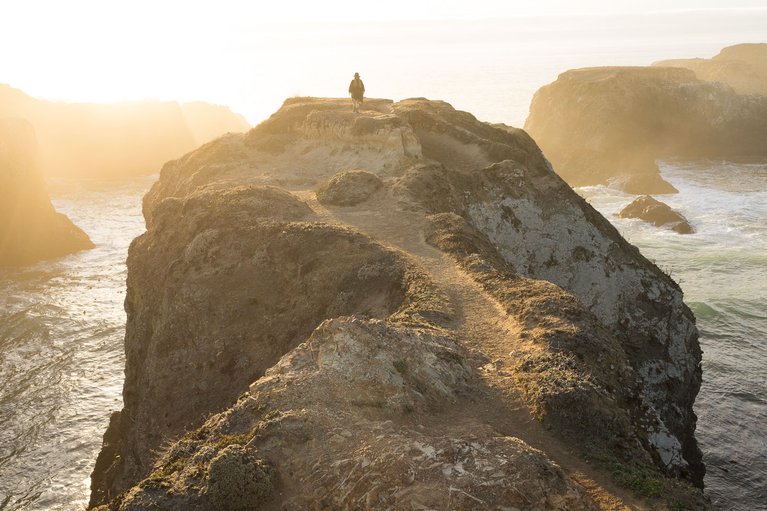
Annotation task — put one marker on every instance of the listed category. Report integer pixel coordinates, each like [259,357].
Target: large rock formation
[30,229]
[463,338]
[78,139]
[742,66]
[609,125]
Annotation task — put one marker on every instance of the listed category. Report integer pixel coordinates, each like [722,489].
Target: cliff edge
[30,229]
[447,326]
[608,126]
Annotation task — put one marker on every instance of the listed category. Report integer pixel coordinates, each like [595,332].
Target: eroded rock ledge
[30,228]
[465,337]
[609,126]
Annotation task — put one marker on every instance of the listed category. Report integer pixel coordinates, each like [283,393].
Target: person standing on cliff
[357,90]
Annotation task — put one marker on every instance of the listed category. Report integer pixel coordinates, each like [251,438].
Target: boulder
[349,188]
[609,126]
[30,228]
[657,213]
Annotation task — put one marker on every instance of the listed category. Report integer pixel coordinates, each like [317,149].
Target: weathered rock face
[657,213]
[609,125]
[545,231]
[78,139]
[386,354]
[742,66]
[243,280]
[30,229]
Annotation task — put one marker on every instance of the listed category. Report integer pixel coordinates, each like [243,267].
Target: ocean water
[722,269]
[61,358]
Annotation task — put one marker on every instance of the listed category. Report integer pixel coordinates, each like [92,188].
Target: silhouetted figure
[357,90]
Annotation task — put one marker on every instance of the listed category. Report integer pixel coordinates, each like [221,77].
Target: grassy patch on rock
[236,481]
[648,483]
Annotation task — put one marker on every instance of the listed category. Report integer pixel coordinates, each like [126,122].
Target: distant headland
[610,125]
[116,139]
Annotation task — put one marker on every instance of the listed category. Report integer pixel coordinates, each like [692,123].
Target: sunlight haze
[251,56]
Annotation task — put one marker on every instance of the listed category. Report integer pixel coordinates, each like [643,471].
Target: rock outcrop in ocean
[610,125]
[468,333]
[742,66]
[30,228]
[657,213]
[116,139]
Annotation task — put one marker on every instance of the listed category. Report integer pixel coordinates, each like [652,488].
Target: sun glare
[244,54]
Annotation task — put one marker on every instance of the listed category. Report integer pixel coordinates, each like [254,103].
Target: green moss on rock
[236,481]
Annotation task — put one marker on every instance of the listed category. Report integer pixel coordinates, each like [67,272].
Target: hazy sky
[237,52]
[81,13]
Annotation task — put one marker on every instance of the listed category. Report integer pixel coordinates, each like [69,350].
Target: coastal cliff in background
[102,140]
[402,309]
[609,125]
[30,229]
[743,67]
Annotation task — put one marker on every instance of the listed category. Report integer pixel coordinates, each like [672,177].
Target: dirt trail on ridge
[483,327]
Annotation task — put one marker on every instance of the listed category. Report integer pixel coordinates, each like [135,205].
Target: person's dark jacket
[357,89]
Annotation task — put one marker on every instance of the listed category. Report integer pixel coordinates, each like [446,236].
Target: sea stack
[30,229]
[461,337]
[609,126]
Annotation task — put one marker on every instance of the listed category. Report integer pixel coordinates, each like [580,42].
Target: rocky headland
[116,139]
[401,309]
[609,126]
[742,66]
[30,228]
